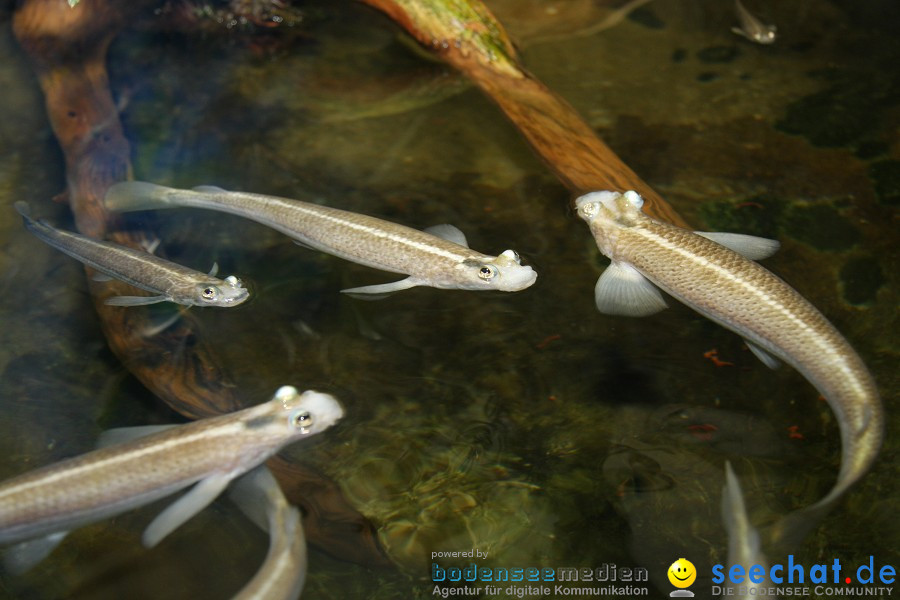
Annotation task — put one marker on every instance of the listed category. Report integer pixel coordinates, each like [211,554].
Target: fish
[283,572]
[438,257]
[138,465]
[752,28]
[170,282]
[716,275]
[744,545]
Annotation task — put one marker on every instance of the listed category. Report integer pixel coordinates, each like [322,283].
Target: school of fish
[438,257]
[715,274]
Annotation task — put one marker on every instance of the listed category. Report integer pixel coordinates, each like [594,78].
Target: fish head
[504,272]
[764,34]
[228,292]
[623,209]
[308,413]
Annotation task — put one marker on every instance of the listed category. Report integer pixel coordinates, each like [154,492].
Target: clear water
[526,425]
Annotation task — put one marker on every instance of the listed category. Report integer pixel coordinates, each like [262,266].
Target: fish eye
[589,209]
[487,272]
[301,419]
[234,281]
[511,255]
[210,292]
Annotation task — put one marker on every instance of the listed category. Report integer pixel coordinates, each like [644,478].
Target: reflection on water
[526,425]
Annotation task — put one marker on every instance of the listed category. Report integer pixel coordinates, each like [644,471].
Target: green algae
[821,226]
[758,215]
[885,176]
[861,278]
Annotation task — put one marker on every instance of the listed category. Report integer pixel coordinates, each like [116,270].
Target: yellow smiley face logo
[682,573]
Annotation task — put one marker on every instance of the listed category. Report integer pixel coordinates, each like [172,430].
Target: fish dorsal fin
[214,189]
[151,245]
[134,300]
[766,358]
[120,435]
[622,290]
[24,555]
[450,233]
[377,292]
[198,498]
[748,246]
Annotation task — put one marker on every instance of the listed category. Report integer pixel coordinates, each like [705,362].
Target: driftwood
[68,50]
[466,35]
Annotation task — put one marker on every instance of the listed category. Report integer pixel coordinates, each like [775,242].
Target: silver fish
[55,499]
[752,28]
[283,573]
[744,546]
[715,274]
[170,282]
[438,257]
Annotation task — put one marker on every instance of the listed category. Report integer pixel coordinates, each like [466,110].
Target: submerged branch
[467,36]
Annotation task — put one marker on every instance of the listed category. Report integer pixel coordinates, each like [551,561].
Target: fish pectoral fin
[134,300]
[748,246]
[214,270]
[160,326]
[377,292]
[24,555]
[304,245]
[173,517]
[120,435]
[449,233]
[622,290]
[209,189]
[766,358]
[100,277]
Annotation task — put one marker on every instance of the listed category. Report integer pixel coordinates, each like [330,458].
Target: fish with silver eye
[137,465]
[438,257]
[717,275]
[168,281]
[752,28]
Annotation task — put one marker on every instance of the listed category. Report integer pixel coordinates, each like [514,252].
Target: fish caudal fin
[622,290]
[23,209]
[24,555]
[127,196]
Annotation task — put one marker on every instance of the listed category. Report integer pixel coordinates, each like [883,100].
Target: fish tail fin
[789,532]
[23,556]
[23,209]
[127,196]
[741,534]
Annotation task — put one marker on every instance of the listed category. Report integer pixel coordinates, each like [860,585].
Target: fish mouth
[518,279]
[236,299]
